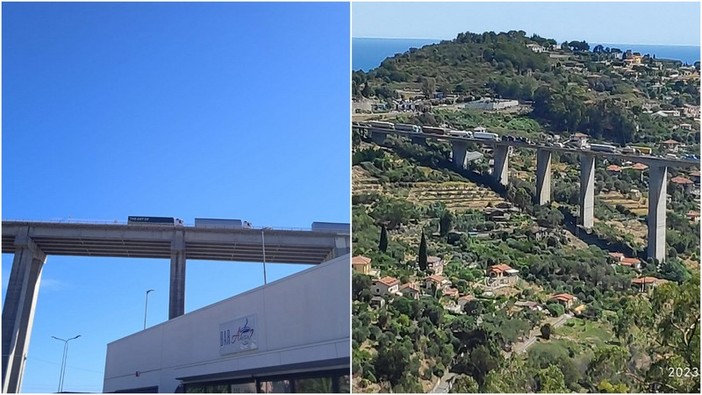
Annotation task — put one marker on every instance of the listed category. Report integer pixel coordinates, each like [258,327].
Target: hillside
[608,93]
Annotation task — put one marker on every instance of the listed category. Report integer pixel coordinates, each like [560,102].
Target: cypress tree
[423,253]
[383,245]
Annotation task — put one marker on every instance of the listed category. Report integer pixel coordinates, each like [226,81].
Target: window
[314,385]
[275,386]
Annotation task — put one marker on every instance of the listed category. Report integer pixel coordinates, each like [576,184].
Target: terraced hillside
[456,195]
[637,206]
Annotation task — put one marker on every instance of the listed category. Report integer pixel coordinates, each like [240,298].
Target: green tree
[383,245]
[428,87]
[445,223]
[546,331]
[423,253]
[464,385]
[551,380]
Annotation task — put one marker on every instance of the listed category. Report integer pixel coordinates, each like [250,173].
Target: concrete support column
[176,298]
[587,191]
[377,136]
[657,194]
[543,177]
[342,246]
[500,169]
[419,140]
[18,312]
[458,154]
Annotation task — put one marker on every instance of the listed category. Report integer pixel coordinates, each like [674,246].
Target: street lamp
[263,244]
[63,362]
[146,305]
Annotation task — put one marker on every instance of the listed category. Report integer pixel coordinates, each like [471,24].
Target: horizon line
[589,42]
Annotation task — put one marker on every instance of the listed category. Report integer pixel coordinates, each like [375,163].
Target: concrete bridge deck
[31,243]
[645,159]
[155,241]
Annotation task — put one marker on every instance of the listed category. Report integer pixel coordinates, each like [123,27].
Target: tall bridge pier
[176,293]
[458,154]
[657,190]
[543,177]
[377,136]
[18,313]
[500,171]
[587,191]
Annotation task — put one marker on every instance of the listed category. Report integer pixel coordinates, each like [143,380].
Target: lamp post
[63,362]
[146,305]
[263,244]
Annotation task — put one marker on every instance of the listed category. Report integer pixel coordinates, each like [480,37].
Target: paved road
[555,322]
[442,386]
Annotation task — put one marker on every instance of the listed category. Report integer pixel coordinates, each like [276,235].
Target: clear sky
[663,23]
[224,110]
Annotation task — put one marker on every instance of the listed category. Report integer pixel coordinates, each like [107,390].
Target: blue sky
[607,22]
[187,110]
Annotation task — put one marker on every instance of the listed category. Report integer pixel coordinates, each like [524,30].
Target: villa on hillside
[685,183]
[386,285]
[564,299]
[411,290]
[645,284]
[436,280]
[670,145]
[361,264]
[618,258]
[499,275]
[435,265]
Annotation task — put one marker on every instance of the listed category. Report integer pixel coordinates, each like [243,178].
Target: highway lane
[645,159]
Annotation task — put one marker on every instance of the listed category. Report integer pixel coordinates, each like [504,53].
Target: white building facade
[291,335]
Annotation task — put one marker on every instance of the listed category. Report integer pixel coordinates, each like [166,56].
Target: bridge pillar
[18,312]
[587,191]
[342,246]
[500,171]
[419,140]
[543,177]
[458,154]
[176,298]
[377,136]
[657,191]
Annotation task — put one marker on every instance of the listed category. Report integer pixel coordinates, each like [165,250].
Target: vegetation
[614,337]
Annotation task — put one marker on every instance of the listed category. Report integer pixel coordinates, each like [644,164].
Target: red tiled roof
[695,173]
[360,260]
[563,297]
[499,268]
[617,255]
[467,298]
[680,180]
[644,280]
[614,168]
[451,292]
[580,135]
[671,142]
[639,166]
[693,214]
[388,281]
[630,261]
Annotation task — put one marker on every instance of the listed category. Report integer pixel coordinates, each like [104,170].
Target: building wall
[301,318]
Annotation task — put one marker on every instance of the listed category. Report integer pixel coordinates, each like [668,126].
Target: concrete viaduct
[32,242]
[658,171]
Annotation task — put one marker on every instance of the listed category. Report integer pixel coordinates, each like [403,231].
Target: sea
[368,53]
